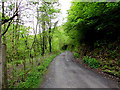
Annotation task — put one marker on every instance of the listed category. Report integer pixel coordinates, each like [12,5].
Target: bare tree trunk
[43,45]
[4,62]
[50,35]
[0,59]
[4,66]
[43,41]
[50,44]
[40,38]
[17,37]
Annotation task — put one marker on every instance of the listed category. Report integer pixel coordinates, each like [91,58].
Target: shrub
[92,62]
[76,55]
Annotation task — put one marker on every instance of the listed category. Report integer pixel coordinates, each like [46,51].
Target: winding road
[64,73]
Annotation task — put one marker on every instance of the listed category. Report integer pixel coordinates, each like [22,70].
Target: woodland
[91,32]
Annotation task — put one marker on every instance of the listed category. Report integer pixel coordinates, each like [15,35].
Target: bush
[92,62]
[76,55]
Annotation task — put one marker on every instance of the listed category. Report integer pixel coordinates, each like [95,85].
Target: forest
[94,32]
[91,32]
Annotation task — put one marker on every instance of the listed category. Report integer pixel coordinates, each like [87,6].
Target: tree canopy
[93,21]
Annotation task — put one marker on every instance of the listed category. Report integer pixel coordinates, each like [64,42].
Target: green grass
[92,62]
[35,76]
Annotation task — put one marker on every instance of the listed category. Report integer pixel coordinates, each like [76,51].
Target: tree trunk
[0,59]
[4,66]
[4,62]
[43,42]
[50,36]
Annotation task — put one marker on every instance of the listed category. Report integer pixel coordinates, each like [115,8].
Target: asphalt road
[64,73]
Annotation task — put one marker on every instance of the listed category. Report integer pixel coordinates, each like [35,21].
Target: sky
[65,5]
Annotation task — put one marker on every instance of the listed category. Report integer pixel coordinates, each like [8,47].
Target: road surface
[64,73]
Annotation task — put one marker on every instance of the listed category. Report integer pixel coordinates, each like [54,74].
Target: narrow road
[64,73]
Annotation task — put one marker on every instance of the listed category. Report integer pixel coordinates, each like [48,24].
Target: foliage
[60,38]
[89,26]
[22,47]
[112,72]
[88,23]
[92,62]
[76,55]
[93,30]
[35,76]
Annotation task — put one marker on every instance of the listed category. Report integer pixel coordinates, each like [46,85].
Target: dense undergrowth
[109,58]
[92,62]
[34,77]
[106,58]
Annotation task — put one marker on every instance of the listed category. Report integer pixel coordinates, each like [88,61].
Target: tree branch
[7,28]
[7,20]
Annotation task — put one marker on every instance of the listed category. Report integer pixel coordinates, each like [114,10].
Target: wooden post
[4,67]
[0,59]
[0,68]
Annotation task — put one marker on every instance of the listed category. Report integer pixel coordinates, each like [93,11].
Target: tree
[48,14]
[84,19]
